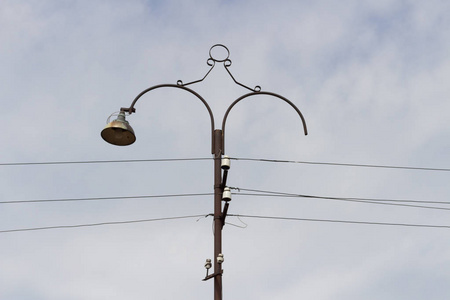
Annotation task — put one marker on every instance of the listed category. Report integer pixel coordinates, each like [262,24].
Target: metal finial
[226,63]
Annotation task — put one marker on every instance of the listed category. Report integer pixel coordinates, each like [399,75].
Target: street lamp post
[120,133]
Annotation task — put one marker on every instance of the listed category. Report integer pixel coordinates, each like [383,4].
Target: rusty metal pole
[218,149]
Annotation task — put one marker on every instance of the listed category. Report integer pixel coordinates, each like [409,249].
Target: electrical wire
[99,224]
[276,194]
[104,198]
[234,158]
[239,226]
[349,200]
[231,215]
[101,161]
[341,164]
[360,200]
[341,221]
[258,193]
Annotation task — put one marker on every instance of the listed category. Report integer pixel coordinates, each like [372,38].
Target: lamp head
[119,132]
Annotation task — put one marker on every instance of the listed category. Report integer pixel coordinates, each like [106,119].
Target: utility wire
[100,224]
[360,200]
[100,161]
[341,221]
[341,164]
[231,215]
[235,158]
[349,200]
[258,193]
[104,198]
[278,194]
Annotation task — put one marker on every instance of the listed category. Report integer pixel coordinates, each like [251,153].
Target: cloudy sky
[370,77]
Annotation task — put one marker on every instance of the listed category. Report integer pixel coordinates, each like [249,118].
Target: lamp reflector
[119,132]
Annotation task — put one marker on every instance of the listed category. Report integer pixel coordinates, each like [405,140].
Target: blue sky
[370,79]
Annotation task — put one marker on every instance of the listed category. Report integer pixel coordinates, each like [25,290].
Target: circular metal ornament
[216,59]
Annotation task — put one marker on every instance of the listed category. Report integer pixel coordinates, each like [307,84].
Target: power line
[235,158]
[341,221]
[349,200]
[231,215]
[101,161]
[360,200]
[257,193]
[105,198]
[278,194]
[341,164]
[101,224]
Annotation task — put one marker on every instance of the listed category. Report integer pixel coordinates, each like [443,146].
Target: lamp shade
[119,132]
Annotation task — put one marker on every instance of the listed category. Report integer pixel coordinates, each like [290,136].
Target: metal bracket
[224,213]
[213,275]
[128,110]
[224,179]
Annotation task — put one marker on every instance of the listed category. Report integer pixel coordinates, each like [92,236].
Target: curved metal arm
[131,109]
[258,93]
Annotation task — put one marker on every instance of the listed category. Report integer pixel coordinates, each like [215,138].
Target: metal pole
[218,148]
[217,213]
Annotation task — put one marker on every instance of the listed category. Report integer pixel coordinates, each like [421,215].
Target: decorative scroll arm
[131,109]
[211,62]
[305,129]
[226,63]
